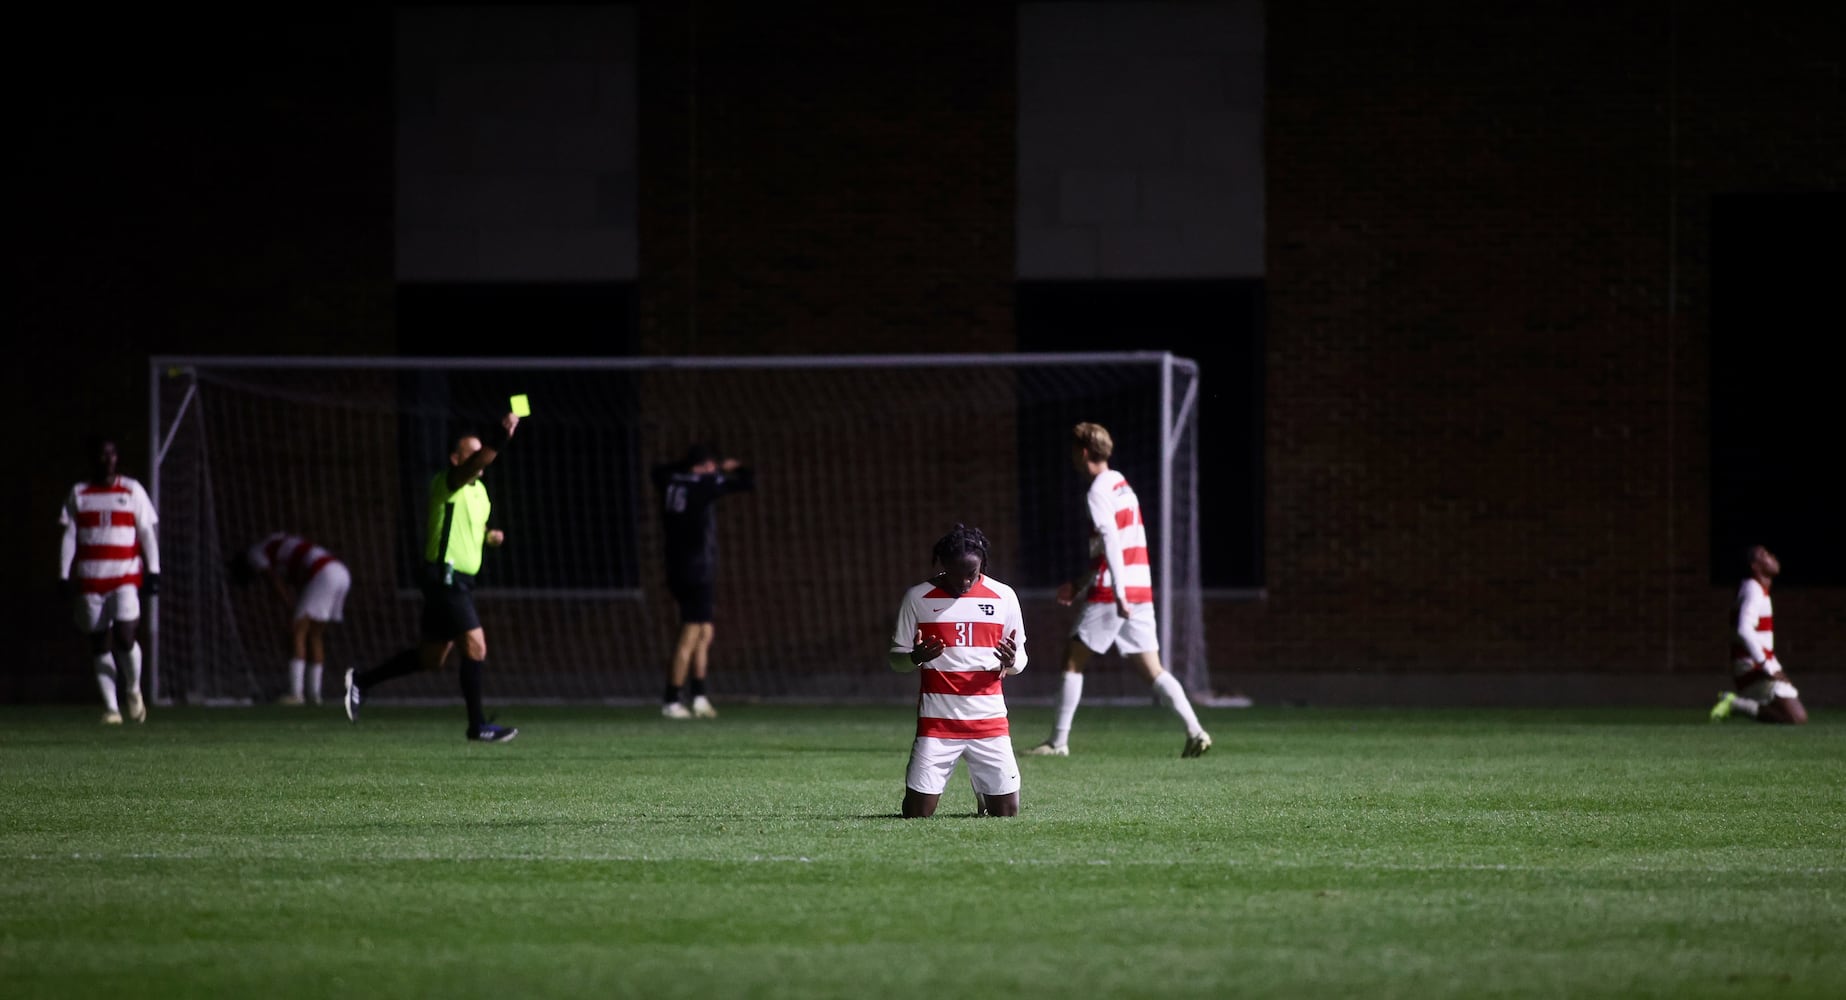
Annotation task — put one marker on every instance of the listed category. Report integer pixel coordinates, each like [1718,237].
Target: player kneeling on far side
[964,630]
[1764,691]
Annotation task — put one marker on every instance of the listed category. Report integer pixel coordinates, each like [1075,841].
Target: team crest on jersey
[986,609]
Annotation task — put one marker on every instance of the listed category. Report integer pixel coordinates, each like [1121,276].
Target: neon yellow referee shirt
[457,524]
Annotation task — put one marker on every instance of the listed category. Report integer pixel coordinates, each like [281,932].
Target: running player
[458,509]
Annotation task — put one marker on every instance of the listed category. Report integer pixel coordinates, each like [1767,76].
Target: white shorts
[991,767]
[1768,688]
[1099,627]
[324,597]
[96,612]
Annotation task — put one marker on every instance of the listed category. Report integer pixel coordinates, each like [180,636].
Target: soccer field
[279,853]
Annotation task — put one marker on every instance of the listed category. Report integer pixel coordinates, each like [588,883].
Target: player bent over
[963,629]
[1763,690]
[1117,596]
[320,582]
[109,551]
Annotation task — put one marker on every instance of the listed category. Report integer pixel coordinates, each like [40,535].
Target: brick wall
[831,178]
[1488,337]
[1488,334]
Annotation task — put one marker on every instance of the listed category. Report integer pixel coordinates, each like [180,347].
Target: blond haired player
[108,553]
[965,631]
[1763,690]
[1117,595]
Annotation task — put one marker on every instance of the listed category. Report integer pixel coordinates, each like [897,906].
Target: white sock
[1175,698]
[1748,706]
[105,680]
[314,672]
[295,668]
[1067,707]
[134,669]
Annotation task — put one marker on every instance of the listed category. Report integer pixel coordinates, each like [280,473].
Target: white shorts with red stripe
[991,766]
[323,599]
[1099,627]
[96,612]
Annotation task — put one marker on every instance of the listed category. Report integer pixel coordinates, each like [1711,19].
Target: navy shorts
[695,600]
[448,608]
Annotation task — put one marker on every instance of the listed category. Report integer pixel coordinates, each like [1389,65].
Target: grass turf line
[283,853]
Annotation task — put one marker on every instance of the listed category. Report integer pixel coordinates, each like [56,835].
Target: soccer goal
[861,463]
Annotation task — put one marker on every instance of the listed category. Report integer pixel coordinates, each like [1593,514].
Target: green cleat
[1722,710]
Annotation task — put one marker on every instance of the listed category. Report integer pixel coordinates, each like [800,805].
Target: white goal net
[861,463]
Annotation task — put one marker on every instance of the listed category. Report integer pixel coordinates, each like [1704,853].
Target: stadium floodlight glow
[863,461]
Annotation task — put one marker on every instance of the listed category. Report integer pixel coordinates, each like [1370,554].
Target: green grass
[276,853]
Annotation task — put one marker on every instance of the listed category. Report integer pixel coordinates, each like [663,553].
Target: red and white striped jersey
[109,531]
[1753,632]
[1118,542]
[295,558]
[960,698]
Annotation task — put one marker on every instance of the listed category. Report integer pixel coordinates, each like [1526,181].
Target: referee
[458,509]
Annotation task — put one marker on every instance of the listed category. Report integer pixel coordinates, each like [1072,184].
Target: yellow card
[521,407]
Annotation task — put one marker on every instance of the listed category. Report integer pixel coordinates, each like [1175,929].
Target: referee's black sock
[471,691]
[696,687]
[671,696]
[406,662]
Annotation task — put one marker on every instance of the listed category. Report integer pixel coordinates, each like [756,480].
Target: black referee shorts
[448,608]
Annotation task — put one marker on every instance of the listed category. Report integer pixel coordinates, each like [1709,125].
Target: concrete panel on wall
[1140,140]
[516,144]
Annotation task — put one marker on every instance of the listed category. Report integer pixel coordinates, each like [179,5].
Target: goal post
[862,462]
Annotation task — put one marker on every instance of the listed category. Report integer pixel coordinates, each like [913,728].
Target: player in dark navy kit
[689,490]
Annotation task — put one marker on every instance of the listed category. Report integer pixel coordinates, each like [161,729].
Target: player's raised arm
[735,477]
[463,469]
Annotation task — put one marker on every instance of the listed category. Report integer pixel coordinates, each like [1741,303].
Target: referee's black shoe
[491,733]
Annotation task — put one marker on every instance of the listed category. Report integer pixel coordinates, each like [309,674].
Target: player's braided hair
[961,541]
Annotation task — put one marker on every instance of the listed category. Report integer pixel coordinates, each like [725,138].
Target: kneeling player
[1763,689]
[965,630]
